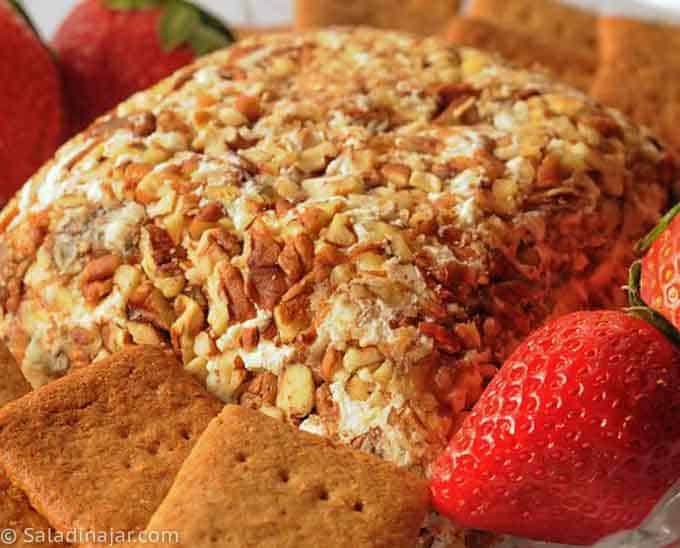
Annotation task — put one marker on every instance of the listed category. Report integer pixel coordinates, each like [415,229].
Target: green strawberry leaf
[178,23]
[640,309]
[206,39]
[184,23]
[634,274]
[657,320]
[127,5]
[646,242]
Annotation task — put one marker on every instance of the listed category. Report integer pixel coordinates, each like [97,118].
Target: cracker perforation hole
[324,494]
[185,434]
[358,506]
[241,457]
[284,476]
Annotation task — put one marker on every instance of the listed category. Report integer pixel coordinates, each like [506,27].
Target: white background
[48,13]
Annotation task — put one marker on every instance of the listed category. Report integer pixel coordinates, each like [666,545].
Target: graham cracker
[639,73]
[13,385]
[573,66]
[548,21]
[16,514]
[254,481]
[15,510]
[98,449]
[417,16]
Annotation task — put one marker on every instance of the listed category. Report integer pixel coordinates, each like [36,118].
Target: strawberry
[110,49]
[659,282]
[576,437]
[31,111]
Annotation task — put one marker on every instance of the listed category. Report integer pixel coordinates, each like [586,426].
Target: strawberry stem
[645,243]
[19,8]
[640,309]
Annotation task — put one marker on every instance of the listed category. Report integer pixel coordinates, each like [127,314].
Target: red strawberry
[110,49]
[660,270]
[30,100]
[576,437]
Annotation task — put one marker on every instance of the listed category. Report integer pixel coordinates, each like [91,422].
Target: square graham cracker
[100,448]
[252,481]
[417,16]
[548,21]
[639,74]
[573,66]
[15,510]
[16,514]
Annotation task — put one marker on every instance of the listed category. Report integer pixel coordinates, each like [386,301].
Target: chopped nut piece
[249,107]
[338,233]
[148,303]
[114,337]
[327,407]
[218,315]
[271,411]
[550,172]
[314,219]
[292,317]
[427,182]
[444,338]
[231,117]
[160,260]
[397,174]
[144,333]
[400,247]
[330,363]
[226,376]
[356,358]
[384,373]
[240,308]
[204,345]
[315,159]
[328,187]
[370,261]
[97,278]
[296,391]
[189,322]
[206,219]
[96,291]
[250,336]
[358,389]
[469,334]
[288,189]
[261,391]
[102,268]
[266,285]
[328,255]
[264,249]
[165,205]
[290,262]
[504,196]
[197,368]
